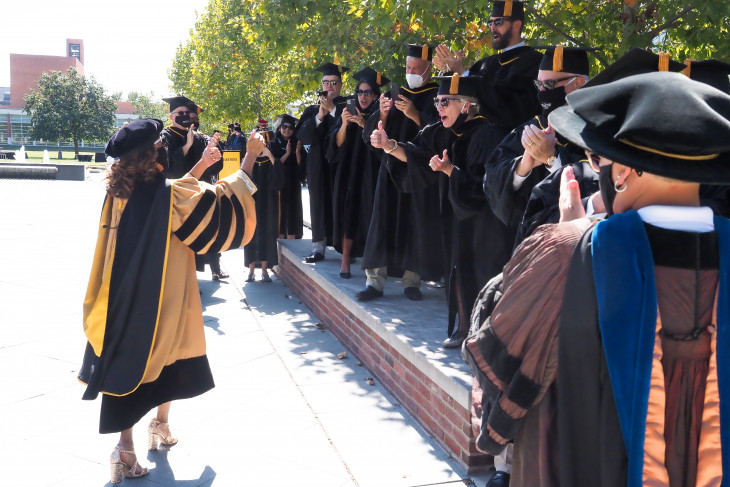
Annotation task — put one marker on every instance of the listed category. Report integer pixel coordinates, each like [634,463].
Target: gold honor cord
[705,157]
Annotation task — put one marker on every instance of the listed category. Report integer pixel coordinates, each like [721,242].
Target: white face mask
[415,80]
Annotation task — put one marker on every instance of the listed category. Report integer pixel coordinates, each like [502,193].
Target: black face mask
[183,120]
[608,190]
[551,99]
[162,158]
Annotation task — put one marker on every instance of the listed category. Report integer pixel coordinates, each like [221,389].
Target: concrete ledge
[398,340]
[29,170]
[19,171]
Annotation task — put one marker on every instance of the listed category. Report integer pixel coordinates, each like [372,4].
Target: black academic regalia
[319,173]
[402,234]
[181,164]
[476,244]
[268,180]
[356,167]
[508,93]
[291,191]
[535,202]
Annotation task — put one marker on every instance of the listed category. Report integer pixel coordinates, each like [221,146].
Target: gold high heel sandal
[121,469]
[157,430]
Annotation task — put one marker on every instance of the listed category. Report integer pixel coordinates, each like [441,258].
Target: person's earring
[620,188]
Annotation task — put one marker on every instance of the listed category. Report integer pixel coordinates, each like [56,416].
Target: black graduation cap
[329,69]
[509,8]
[195,108]
[286,118]
[420,51]
[179,101]
[645,127]
[565,59]
[136,135]
[372,77]
[709,71]
[459,85]
[237,126]
[635,61]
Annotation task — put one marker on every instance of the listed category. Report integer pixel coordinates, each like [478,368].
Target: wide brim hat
[137,135]
[662,123]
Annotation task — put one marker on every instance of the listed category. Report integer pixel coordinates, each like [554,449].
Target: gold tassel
[454,88]
[424,52]
[378,79]
[507,8]
[558,58]
[688,70]
[663,61]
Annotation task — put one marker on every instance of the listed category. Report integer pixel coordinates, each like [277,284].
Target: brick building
[25,71]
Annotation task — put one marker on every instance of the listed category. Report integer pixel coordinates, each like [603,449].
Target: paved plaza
[286,410]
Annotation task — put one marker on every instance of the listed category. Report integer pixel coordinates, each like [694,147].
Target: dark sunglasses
[550,83]
[443,102]
[498,22]
[330,82]
[183,112]
[364,92]
[287,126]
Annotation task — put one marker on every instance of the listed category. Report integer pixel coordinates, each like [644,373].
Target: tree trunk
[76,148]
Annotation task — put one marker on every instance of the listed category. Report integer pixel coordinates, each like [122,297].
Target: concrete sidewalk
[286,409]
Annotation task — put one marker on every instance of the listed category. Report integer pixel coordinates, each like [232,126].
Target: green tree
[251,57]
[227,70]
[67,105]
[147,105]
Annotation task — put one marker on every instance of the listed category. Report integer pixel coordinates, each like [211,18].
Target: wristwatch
[551,160]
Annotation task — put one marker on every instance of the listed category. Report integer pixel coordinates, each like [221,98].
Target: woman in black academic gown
[451,152]
[356,170]
[290,152]
[267,175]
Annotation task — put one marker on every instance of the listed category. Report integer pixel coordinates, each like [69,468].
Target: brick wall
[26,70]
[446,419]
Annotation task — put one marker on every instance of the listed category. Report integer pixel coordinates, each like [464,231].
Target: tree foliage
[147,105]
[252,56]
[67,105]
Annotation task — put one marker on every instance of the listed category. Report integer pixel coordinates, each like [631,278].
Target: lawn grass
[69,157]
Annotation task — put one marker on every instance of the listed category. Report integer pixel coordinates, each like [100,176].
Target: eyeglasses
[550,83]
[593,161]
[498,22]
[330,82]
[183,112]
[287,126]
[364,92]
[443,102]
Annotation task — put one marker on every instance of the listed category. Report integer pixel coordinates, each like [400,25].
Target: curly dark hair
[139,166]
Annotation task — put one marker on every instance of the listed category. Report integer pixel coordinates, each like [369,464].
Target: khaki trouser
[376,278]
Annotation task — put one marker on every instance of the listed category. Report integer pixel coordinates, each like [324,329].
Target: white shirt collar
[684,218]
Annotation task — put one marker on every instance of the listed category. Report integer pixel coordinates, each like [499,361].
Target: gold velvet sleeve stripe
[208,232]
[197,216]
[240,224]
[224,225]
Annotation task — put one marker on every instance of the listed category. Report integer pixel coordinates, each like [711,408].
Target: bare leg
[291,237]
[264,267]
[346,247]
[126,442]
[163,411]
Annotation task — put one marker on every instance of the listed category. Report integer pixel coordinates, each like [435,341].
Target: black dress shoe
[499,479]
[455,340]
[314,257]
[413,293]
[368,293]
[345,275]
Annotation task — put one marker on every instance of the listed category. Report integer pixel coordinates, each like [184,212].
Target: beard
[504,41]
